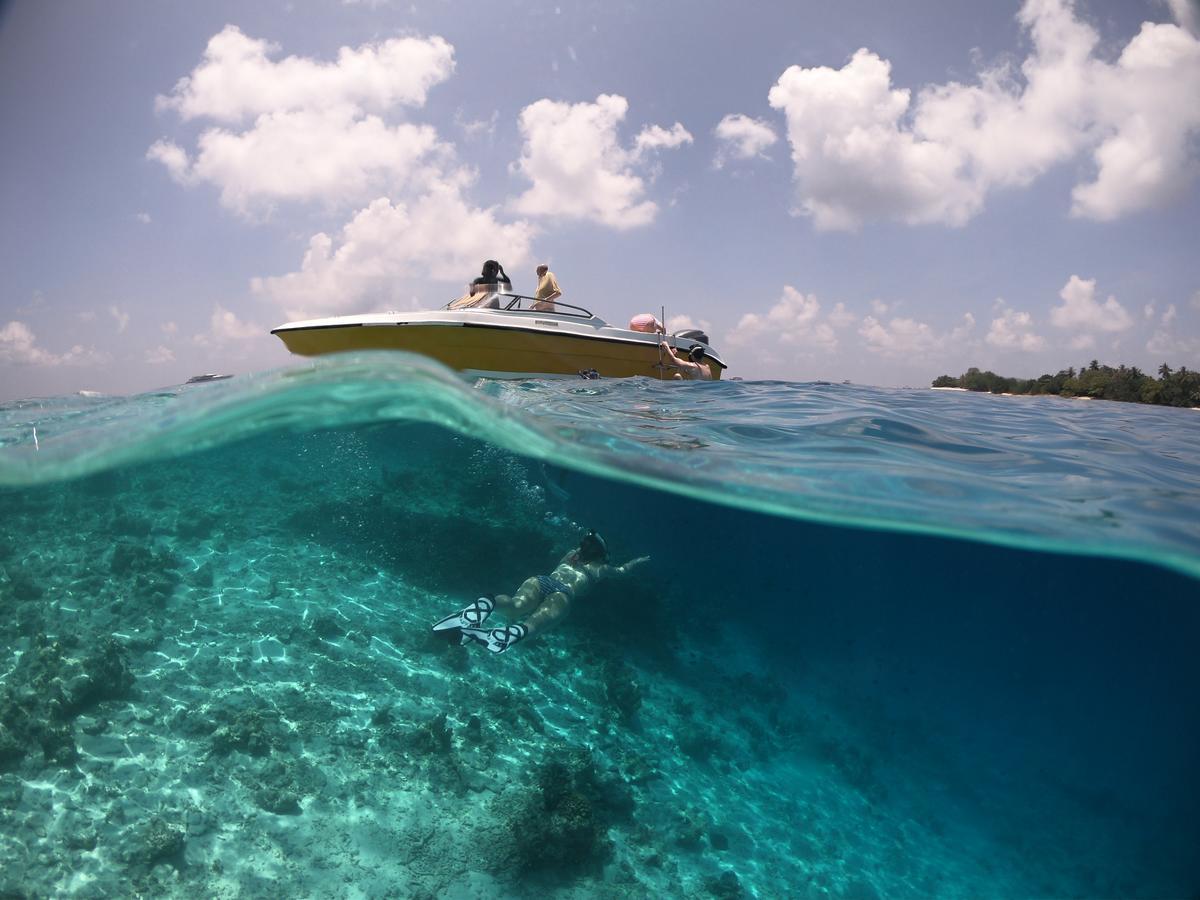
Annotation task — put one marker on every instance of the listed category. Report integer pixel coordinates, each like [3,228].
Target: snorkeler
[542,601]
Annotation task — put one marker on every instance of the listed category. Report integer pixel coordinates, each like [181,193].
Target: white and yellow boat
[499,335]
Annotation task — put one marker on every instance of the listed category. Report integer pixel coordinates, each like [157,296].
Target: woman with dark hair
[493,273]
[692,368]
[542,601]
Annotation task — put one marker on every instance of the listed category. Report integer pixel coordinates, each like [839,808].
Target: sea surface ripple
[1036,472]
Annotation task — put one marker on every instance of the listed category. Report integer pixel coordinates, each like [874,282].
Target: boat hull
[490,350]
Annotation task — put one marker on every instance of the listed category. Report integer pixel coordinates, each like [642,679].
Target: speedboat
[497,334]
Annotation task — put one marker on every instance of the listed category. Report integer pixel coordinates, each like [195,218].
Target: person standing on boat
[547,289]
[492,274]
[693,368]
[541,601]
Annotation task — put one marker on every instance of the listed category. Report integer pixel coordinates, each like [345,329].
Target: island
[1172,387]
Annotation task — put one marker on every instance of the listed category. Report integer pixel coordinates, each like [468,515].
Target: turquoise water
[890,642]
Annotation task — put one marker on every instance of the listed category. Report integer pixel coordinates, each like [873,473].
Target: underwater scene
[888,642]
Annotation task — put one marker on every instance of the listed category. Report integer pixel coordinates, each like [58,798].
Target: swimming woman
[541,601]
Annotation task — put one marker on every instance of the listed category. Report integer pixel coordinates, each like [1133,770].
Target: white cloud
[1168,315]
[330,155]
[840,317]
[1187,14]
[1195,301]
[899,336]
[473,129]
[655,137]
[863,150]
[687,323]
[169,328]
[909,337]
[18,346]
[121,317]
[237,79]
[879,307]
[1151,119]
[740,137]
[795,321]
[1148,311]
[1174,348]
[438,236]
[160,355]
[303,130]
[578,167]
[173,157]
[1081,312]
[225,326]
[1013,330]
[143,217]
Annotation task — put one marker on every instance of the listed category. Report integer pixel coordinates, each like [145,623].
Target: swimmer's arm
[664,347]
[627,567]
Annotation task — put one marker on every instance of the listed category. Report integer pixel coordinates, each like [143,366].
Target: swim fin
[468,617]
[496,640]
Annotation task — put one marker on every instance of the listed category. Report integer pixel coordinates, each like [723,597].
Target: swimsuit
[551,585]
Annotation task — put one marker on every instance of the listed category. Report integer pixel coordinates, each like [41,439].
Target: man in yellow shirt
[547,289]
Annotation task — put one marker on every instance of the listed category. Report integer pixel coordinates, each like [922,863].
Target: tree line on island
[1172,387]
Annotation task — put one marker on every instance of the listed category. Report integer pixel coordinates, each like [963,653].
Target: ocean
[889,643]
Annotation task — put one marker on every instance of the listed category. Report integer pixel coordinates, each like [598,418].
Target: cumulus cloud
[332,155]
[795,321]
[438,235]
[1013,330]
[908,337]
[18,346]
[299,129]
[655,137]
[237,79]
[1187,14]
[865,150]
[306,131]
[1083,314]
[121,317]
[227,326]
[578,167]
[1151,119]
[173,158]
[740,137]
[1172,347]
[687,323]
[160,355]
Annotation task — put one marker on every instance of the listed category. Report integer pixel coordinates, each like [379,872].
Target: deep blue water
[890,643]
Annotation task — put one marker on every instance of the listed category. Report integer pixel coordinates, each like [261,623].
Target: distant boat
[498,334]
[198,379]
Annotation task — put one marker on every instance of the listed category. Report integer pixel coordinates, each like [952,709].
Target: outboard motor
[692,335]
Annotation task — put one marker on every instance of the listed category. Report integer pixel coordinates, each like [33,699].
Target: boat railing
[517,303]
[566,309]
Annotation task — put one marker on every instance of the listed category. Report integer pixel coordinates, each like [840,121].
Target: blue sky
[865,190]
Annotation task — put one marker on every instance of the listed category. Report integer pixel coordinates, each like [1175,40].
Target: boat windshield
[516,303]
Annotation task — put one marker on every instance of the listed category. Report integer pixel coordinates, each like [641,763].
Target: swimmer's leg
[497,640]
[471,616]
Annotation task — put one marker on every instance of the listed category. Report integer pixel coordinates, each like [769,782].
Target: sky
[864,191]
